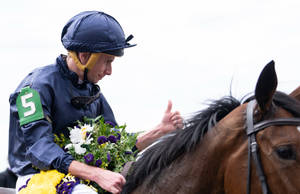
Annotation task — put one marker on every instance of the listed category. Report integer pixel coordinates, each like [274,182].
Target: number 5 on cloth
[29,106]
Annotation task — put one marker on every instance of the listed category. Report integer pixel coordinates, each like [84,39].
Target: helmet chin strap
[88,66]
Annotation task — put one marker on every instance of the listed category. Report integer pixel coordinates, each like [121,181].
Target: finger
[174,116]
[178,122]
[118,187]
[120,183]
[180,126]
[115,190]
[169,108]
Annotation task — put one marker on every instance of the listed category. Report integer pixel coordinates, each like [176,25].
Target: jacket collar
[72,76]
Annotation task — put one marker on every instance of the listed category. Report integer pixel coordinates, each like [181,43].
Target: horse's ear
[266,87]
[296,93]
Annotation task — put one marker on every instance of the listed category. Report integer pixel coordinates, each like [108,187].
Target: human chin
[95,79]
[98,78]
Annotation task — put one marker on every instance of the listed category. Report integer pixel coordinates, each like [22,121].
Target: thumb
[169,108]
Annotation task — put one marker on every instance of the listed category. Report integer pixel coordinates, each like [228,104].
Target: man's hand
[170,122]
[108,180]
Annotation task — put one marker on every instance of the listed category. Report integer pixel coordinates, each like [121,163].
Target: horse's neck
[217,148]
[202,170]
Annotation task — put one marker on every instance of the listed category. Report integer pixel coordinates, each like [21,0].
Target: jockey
[53,97]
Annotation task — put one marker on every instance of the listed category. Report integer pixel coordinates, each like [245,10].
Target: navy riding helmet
[95,32]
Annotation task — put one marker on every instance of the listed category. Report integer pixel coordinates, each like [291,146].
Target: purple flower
[118,136]
[89,158]
[66,187]
[110,123]
[108,157]
[98,163]
[112,139]
[127,152]
[101,140]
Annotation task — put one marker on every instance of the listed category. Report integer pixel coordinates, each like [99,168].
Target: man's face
[102,67]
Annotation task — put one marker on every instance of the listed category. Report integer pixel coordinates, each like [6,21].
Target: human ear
[84,57]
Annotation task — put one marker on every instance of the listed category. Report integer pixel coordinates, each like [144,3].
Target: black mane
[170,147]
[288,103]
[174,145]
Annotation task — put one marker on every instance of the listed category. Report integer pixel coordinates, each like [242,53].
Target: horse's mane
[170,147]
[288,103]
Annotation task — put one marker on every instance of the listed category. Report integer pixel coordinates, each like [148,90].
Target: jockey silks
[31,143]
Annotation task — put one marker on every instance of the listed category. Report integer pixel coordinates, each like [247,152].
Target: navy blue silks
[33,144]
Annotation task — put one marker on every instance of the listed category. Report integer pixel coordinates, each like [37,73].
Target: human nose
[108,70]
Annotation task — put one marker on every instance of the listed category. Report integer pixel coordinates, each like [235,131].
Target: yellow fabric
[43,183]
[89,65]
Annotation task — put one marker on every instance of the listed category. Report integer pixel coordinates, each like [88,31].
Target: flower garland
[95,143]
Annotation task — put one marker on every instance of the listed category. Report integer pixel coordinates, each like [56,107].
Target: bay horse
[210,155]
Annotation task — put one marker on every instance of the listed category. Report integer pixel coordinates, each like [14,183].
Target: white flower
[68,146]
[75,135]
[78,149]
[79,135]
[86,128]
[89,140]
[78,138]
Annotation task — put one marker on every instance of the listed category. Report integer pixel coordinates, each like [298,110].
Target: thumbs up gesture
[171,120]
